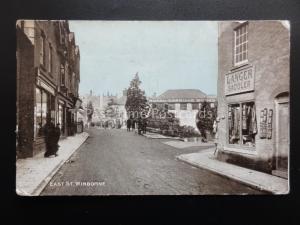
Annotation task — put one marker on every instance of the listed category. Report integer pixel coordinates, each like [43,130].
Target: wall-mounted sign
[263,123]
[269,128]
[239,81]
[48,88]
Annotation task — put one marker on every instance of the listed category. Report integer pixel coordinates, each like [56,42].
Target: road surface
[117,162]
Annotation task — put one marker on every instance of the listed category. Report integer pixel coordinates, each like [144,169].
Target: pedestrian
[215,132]
[128,123]
[133,124]
[144,126]
[139,126]
[57,136]
[50,138]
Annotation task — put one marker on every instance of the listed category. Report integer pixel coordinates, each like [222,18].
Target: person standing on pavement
[128,122]
[133,124]
[57,136]
[144,126]
[49,134]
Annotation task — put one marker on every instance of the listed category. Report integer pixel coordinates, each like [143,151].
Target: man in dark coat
[128,122]
[57,136]
[139,124]
[133,124]
[144,126]
[50,139]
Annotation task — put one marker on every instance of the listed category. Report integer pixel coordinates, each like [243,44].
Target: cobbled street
[117,162]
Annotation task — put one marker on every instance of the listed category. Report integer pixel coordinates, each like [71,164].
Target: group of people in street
[140,124]
[51,135]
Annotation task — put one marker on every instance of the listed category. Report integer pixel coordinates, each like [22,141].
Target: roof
[182,94]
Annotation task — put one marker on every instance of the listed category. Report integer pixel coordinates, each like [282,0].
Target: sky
[166,55]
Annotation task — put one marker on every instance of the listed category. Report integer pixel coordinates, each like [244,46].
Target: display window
[242,125]
[43,105]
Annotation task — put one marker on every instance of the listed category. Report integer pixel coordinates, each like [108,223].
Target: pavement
[117,162]
[159,136]
[33,174]
[258,180]
[181,144]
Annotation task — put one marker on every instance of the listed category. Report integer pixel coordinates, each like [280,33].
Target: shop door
[282,137]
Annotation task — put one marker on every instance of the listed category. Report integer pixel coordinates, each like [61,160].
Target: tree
[136,101]
[90,111]
[205,118]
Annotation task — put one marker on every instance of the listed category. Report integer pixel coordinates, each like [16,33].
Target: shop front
[253,96]
[44,110]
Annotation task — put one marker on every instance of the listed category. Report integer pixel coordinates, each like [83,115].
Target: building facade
[48,77]
[184,103]
[253,95]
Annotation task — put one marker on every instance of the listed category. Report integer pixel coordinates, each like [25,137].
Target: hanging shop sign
[239,81]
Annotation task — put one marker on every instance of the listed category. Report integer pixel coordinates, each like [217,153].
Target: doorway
[282,135]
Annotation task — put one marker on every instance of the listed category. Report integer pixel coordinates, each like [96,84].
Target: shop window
[61,117]
[195,106]
[241,44]
[183,106]
[242,126]
[41,111]
[45,107]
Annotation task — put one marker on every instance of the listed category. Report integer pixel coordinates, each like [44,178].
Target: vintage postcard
[152,107]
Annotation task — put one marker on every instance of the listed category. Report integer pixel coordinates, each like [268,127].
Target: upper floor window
[42,49]
[195,106]
[50,59]
[171,106]
[241,44]
[62,74]
[183,106]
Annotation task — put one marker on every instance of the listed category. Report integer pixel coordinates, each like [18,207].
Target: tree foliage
[136,100]
[205,118]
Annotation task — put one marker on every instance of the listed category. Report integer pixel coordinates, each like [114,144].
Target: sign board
[46,86]
[239,81]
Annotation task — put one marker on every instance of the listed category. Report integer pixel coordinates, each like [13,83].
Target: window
[50,59]
[41,111]
[242,126]
[183,106]
[42,49]
[171,106]
[212,105]
[241,44]
[44,107]
[62,74]
[195,106]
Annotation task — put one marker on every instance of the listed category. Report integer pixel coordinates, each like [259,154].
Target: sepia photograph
[111,107]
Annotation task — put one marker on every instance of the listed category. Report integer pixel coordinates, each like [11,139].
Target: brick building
[47,81]
[184,103]
[253,95]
